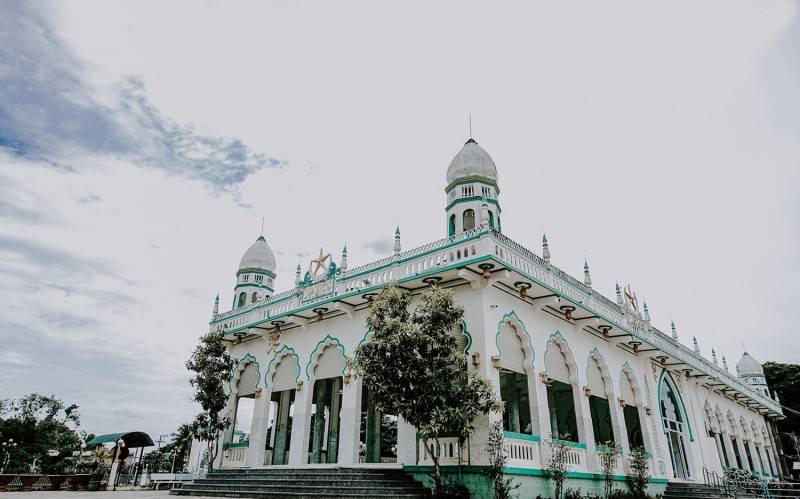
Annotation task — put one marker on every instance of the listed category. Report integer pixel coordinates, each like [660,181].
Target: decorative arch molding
[765,436]
[367,333]
[720,419]
[712,418]
[280,355]
[319,349]
[512,320]
[755,432]
[239,368]
[732,423]
[666,378]
[465,330]
[627,372]
[743,424]
[596,357]
[558,341]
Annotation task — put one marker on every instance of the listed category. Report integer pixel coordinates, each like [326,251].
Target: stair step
[298,495]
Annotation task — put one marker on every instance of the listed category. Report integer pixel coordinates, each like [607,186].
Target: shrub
[495,447]
[639,472]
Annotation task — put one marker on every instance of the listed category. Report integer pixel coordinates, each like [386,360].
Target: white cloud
[659,141]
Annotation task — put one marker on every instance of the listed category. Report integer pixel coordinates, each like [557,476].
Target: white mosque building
[564,359]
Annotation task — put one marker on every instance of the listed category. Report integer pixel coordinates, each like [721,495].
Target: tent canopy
[132,439]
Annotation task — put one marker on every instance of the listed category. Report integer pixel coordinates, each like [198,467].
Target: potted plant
[5,479]
[100,467]
[29,479]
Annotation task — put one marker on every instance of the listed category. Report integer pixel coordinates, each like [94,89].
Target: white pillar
[583,416]
[406,442]
[742,454]
[350,423]
[258,431]
[298,451]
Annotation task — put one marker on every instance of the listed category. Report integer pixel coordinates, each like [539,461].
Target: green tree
[412,368]
[211,364]
[784,379]
[639,473]
[38,424]
[495,447]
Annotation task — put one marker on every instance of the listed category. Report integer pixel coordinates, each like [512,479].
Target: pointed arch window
[242,299]
[491,218]
[451,226]
[469,219]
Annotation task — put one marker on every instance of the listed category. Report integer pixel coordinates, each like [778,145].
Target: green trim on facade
[522,436]
[568,443]
[507,316]
[521,471]
[472,179]
[291,351]
[251,358]
[470,199]
[562,341]
[237,445]
[328,340]
[255,271]
[253,285]
[466,333]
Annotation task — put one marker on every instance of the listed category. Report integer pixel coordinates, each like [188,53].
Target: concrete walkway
[108,494]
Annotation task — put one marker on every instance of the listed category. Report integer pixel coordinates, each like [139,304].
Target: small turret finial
[696,346]
[645,311]
[674,330]
[619,295]
[714,356]
[724,363]
[545,248]
[215,310]
[297,278]
[397,241]
[343,266]
[587,278]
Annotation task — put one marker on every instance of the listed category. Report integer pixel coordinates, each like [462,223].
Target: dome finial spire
[545,248]
[470,125]
[587,278]
[262,226]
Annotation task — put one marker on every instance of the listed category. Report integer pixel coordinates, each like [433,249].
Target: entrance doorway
[675,430]
[378,433]
[280,432]
[323,444]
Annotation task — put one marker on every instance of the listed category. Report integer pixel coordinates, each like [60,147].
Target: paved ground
[63,494]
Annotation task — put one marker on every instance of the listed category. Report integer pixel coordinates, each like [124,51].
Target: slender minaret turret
[545,249]
[343,266]
[397,241]
[215,310]
[714,357]
[724,363]
[297,277]
[587,279]
[696,347]
[619,296]
[674,331]
[646,314]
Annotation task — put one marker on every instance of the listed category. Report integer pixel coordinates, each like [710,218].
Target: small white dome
[472,161]
[259,256]
[749,366]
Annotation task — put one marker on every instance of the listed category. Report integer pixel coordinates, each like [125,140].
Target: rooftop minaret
[255,279]
[471,182]
[752,373]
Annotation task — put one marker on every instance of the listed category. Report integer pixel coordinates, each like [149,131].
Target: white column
[618,423]
[726,439]
[406,442]
[583,416]
[298,451]
[742,454]
[350,422]
[258,431]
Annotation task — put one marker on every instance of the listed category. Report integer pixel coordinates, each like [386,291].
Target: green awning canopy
[132,439]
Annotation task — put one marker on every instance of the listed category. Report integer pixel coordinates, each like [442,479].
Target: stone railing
[447,452]
[522,450]
[234,456]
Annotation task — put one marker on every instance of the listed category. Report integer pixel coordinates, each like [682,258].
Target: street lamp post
[7,446]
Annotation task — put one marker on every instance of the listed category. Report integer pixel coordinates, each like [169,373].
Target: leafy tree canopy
[413,369]
[39,424]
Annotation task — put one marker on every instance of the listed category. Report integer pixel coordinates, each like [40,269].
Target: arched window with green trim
[451,226]
[469,219]
[491,218]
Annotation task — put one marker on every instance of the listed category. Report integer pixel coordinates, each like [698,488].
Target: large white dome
[472,161]
[259,256]
[749,366]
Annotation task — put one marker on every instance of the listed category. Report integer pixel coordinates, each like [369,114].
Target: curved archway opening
[674,423]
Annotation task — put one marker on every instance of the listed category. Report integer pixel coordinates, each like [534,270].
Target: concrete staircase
[680,490]
[305,482]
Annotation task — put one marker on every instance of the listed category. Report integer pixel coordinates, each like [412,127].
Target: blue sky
[141,143]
